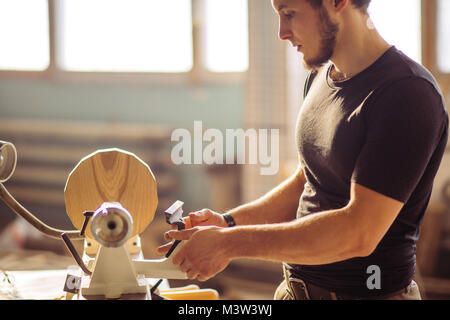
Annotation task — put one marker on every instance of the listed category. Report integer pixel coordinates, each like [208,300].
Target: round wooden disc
[111,175]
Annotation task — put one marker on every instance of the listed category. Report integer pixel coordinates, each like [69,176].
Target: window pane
[444,35]
[226,33]
[399,23]
[24,39]
[126,35]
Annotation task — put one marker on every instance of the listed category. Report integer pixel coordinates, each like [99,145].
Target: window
[443,36]
[125,35]
[24,35]
[399,23]
[226,35]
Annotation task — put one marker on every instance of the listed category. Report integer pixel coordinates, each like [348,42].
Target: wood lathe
[110,198]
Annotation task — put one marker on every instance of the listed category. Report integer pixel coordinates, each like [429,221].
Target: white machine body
[118,266]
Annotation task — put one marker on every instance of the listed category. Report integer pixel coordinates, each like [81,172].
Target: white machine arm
[159,268]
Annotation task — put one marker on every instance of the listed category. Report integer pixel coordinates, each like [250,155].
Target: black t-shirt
[385,129]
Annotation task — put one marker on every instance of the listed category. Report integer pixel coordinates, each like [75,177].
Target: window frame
[430,48]
[430,40]
[198,74]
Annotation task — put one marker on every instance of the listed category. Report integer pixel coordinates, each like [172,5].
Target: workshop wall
[178,105]
[172,105]
[175,105]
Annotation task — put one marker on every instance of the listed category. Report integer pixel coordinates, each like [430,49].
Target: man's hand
[204,217]
[203,254]
[207,217]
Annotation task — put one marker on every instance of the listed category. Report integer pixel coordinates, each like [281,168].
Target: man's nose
[284,32]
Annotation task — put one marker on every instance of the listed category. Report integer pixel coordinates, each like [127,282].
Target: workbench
[37,275]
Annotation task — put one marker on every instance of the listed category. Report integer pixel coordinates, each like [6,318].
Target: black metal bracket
[87,216]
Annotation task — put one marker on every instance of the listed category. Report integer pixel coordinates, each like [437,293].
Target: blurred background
[81,75]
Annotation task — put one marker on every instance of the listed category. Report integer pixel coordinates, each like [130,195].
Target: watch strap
[229,219]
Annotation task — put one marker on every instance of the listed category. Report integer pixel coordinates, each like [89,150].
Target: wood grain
[111,175]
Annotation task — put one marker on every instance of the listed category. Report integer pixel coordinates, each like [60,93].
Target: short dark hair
[359,4]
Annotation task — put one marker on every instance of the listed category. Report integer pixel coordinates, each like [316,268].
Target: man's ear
[340,5]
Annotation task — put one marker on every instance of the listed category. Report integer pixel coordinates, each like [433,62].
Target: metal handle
[8,160]
[75,254]
[174,216]
[35,222]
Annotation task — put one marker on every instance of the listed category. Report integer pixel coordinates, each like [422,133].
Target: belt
[299,289]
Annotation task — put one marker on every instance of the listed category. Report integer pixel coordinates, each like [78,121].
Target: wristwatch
[229,219]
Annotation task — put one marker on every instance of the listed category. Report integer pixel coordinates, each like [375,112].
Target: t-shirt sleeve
[405,123]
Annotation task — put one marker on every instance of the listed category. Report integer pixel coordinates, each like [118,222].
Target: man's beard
[328,33]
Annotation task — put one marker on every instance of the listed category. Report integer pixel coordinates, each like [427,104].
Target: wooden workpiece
[111,175]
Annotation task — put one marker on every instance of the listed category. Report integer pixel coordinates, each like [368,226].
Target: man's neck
[359,45]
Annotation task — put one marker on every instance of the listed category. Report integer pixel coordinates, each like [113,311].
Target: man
[370,135]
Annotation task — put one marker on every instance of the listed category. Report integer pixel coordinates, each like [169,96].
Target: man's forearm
[317,239]
[279,205]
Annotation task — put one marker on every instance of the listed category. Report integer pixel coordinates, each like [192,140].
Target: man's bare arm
[322,238]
